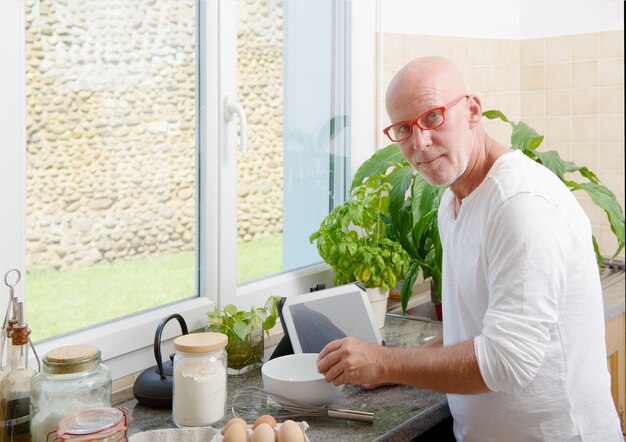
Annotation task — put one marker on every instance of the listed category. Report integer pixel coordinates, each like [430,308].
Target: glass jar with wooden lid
[199,394]
[72,379]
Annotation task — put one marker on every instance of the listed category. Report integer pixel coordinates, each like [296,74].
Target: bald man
[522,356]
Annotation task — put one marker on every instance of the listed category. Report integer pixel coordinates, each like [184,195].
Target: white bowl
[296,377]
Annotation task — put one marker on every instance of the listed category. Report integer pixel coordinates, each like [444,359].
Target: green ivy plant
[414,203]
[240,327]
[354,238]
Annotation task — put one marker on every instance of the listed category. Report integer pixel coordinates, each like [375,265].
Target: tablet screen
[315,319]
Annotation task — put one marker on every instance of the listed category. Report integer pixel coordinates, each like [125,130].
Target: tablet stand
[284,347]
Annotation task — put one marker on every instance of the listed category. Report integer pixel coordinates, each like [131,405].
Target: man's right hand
[351,361]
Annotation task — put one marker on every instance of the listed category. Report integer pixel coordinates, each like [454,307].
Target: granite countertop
[401,412]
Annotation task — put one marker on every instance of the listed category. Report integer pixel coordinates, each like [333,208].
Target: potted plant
[414,203]
[355,240]
[244,329]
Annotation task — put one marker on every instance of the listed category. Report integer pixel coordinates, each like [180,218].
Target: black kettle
[153,387]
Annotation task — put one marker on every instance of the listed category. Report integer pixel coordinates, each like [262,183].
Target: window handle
[232,107]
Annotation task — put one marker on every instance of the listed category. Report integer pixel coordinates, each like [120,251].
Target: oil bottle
[15,387]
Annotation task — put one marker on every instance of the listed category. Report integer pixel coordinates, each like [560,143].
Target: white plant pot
[378,301]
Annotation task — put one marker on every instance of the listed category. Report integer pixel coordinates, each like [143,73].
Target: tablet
[314,319]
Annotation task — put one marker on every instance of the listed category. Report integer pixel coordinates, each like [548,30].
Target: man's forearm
[451,369]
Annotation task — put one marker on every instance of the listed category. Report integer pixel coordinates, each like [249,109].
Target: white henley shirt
[520,277]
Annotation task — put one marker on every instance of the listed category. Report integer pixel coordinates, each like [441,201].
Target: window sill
[127,344]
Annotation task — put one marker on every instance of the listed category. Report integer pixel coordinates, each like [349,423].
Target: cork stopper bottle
[15,387]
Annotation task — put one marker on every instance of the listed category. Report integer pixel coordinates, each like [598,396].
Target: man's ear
[476,110]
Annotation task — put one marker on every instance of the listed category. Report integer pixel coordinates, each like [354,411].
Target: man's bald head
[427,75]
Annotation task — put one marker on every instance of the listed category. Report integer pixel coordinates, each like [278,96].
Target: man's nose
[420,138]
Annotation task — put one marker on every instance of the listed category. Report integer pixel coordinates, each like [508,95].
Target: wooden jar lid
[72,358]
[200,342]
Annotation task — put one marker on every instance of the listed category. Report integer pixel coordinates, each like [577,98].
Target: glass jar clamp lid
[96,424]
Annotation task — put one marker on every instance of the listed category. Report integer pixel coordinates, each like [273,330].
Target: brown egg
[263,433]
[290,432]
[265,419]
[235,433]
[235,421]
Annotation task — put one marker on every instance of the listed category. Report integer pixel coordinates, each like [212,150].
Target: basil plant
[356,240]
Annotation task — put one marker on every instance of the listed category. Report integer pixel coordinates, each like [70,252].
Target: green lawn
[59,302]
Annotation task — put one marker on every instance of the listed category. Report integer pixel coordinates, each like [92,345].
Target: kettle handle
[157,338]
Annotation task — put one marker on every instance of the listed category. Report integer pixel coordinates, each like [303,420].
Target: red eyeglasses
[429,120]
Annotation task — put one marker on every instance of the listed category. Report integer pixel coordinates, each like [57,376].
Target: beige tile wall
[568,88]
[573,86]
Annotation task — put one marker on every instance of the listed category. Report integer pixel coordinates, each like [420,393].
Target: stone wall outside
[111,149]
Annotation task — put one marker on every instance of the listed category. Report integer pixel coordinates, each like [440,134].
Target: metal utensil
[249,403]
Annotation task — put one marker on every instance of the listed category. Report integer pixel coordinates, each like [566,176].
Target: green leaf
[401,180]
[552,160]
[395,257]
[241,329]
[271,305]
[230,309]
[596,249]
[406,232]
[407,284]
[383,205]
[424,206]
[380,263]
[423,226]
[589,175]
[378,164]
[342,248]
[605,199]
[493,114]
[269,322]
[524,137]
[355,216]
[352,248]
[245,315]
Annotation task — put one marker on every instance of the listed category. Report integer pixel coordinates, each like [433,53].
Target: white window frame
[286,284]
[126,343]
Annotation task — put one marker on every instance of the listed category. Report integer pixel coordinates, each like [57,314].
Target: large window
[110,159]
[124,195]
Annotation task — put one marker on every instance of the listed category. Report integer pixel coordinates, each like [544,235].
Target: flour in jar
[199,390]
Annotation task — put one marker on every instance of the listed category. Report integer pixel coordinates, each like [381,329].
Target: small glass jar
[96,424]
[244,355]
[72,379]
[199,397]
